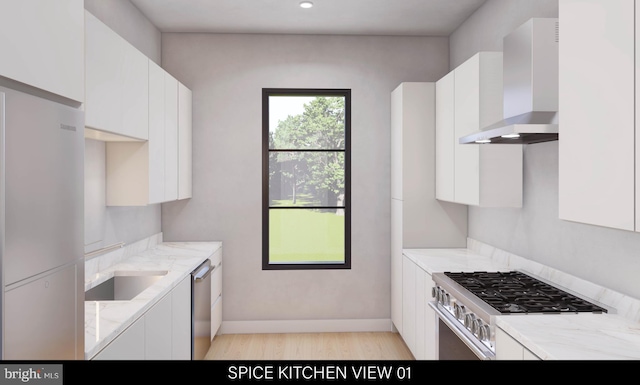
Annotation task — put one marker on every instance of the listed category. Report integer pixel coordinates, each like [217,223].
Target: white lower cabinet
[418,319]
[507,348]
[129,345]
[409,304]
[162,333]
[181,321]
[216,293]
[157,331]
[430,338]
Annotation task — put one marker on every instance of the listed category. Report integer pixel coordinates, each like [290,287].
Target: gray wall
[127,21]
[604,256]
[226,74]
[108,225]
[485,29]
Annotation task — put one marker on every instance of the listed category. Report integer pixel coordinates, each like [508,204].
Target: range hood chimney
[530,82]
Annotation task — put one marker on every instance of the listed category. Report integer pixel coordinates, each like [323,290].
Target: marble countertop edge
[105,320]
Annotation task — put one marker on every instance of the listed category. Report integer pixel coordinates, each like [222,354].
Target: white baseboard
[306,326]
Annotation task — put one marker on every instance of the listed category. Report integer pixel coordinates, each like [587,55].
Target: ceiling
[341,17]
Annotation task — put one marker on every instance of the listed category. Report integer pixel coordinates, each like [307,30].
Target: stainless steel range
[467,303]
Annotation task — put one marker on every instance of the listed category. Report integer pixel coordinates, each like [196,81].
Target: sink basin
[123,286]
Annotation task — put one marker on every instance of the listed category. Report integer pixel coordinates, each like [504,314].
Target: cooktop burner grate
[516,292]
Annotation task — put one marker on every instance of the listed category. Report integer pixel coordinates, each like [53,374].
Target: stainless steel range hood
[530,81]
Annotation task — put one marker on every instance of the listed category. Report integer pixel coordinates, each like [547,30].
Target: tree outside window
[306,205]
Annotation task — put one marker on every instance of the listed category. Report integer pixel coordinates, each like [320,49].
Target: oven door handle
[482,352]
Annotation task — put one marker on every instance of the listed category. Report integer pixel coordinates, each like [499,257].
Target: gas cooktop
[516,292]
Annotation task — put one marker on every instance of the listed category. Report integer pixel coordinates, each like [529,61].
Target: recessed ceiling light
[306,4]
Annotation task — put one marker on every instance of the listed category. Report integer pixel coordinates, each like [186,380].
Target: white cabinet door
[421,303]
[596,100]
[467,121]
[430,337]
[141,173]
[409,304]
[397,118]
[396,264]
[42,45]
[418,322]
[216,317]
[158,330]
[171,137]
[129,345]
[468,99]
[184,142]
[637,113]
[216,282]
[163,135]
[489,176]
[445,138]
[181,320]
[507,348]
[157,146]
[116,83]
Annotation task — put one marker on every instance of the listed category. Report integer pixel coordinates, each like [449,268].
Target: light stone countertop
[584,336]
[455,260]
[105,320]
[575,336]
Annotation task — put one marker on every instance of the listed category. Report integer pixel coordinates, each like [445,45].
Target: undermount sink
[123,286]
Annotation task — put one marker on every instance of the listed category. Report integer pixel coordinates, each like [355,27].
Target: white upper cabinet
[597,145]
[42,45]
[468,99]
[171,137]
[144,115]
[142,173]
[157,143]
[117,83]
[184,142]
[445,138]
[163,135]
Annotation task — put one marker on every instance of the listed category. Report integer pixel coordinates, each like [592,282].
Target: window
[306,219]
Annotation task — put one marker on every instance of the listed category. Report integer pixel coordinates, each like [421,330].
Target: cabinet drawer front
[216,316]
[216,282]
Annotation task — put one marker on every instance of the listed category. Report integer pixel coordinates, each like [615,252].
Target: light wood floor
[309,346]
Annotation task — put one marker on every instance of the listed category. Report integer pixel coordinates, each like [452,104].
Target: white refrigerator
[41,228]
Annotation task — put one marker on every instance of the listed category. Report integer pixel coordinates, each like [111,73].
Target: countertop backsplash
[94,265]
[618,303]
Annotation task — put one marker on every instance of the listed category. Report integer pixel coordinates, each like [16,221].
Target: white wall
[108,225]
[604,256]
[226,74]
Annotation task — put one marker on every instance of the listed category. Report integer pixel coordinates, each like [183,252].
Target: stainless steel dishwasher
[201,310]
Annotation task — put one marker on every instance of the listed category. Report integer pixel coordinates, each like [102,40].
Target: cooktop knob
[484,333]
[458,311]
[468,320]
[476,326]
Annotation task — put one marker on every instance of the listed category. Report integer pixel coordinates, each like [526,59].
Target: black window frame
[266,93]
